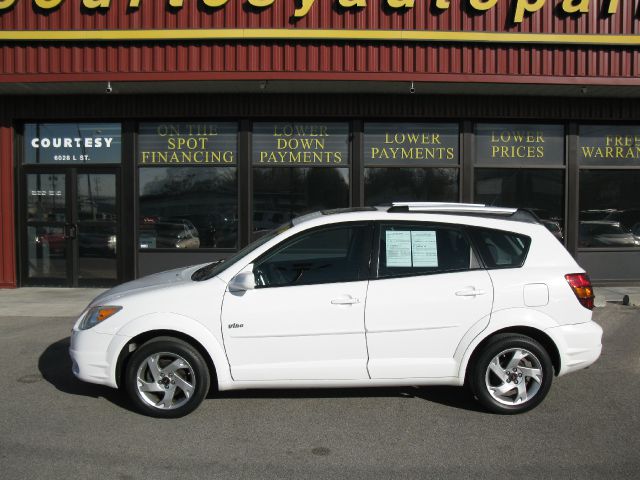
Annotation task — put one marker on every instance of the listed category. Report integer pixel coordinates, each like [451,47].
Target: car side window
[421,249]
[500,249]
[327,255]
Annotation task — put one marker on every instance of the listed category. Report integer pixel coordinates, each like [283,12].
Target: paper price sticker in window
[398,248]
[424,249]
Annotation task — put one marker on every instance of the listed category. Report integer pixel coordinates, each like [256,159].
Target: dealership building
[138,136]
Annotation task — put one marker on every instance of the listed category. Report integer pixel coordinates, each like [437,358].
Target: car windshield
[216,268]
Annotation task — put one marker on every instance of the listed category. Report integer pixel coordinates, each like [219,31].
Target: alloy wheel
[514,376]
[165,381]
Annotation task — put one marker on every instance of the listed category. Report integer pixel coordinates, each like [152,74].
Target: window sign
[516,144]
[424,249]
[72,143]
[411,248]
[609,145]
[194,144]
[410,144]
[301,144]
[398,248]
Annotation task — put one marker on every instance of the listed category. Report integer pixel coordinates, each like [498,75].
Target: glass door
[72,228]
[96,227]
[47,251]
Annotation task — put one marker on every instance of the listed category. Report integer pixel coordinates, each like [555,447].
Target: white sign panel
[398,249]
[424,249]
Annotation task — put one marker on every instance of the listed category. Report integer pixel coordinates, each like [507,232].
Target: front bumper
[579,345]
[94,356]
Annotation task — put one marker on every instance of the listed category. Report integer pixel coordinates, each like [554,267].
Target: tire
[174,388]
[512,374]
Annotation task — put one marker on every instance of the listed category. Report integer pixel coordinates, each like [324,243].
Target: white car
[408,295]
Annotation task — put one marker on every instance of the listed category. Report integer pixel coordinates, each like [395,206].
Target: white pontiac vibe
[412,294]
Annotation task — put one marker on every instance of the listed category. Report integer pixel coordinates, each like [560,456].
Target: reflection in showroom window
[609,201]
[538,190]
[283,193]
[188,207]
[298,168]
[393,184]
[609,209]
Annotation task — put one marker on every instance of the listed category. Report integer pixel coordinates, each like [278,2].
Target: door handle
[345,301]
[472,292]
[70,231]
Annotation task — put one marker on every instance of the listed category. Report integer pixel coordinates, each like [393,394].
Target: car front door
[429,292]
[305,318]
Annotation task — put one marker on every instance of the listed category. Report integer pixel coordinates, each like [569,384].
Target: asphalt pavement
[53,426]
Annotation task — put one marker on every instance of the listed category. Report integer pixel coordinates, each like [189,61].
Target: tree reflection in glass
[188,207]
[282,193]
[541,191]
[387,185]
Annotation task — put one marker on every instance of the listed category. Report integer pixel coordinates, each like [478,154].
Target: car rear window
[500,249]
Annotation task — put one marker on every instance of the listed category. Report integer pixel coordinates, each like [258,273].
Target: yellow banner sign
[192,144]
[301,144]
[301,8]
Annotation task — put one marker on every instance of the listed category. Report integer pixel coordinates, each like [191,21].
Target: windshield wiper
[206,272]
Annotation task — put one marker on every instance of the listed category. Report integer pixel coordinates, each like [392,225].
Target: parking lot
[53,426]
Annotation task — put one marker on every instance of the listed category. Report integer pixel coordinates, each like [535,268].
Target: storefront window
[280,194]
[188,185]
[298,168]
[609,208]
[72,143]
[387,185]
[404,162]
[501,150]
[541,191]
[609,202]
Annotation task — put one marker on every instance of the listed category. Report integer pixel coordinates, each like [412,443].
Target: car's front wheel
[167,378]
[512,374]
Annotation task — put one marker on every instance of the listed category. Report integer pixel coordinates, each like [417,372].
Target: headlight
[96,315]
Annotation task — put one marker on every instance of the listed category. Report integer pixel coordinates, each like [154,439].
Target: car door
[428,292]
[305,318]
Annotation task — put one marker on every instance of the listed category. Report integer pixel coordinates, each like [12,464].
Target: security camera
[412,89]
[109,89]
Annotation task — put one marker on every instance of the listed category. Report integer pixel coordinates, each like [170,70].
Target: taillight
[581,286]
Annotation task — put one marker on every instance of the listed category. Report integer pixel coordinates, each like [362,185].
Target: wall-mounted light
[412,88]
[109,88]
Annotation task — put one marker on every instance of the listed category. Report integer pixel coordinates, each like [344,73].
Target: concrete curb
[46,302]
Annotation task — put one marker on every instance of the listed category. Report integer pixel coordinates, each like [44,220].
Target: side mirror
[242,282]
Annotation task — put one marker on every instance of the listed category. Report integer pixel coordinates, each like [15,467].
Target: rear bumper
[579,345]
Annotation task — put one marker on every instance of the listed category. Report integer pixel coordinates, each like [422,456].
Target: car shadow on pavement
[55,367]
[454,397]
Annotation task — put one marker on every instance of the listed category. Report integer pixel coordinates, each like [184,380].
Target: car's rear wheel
[512,374]
[167,378]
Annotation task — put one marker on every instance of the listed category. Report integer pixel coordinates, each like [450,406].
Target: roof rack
[434,207]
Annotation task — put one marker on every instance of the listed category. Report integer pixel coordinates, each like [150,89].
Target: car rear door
[428,292]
